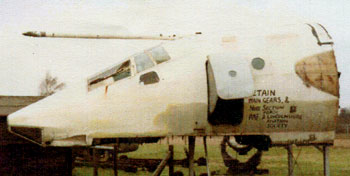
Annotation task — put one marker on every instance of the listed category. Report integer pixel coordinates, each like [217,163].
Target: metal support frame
[171,160]
[326,170]
[191,147]
[325,152]
[206,154]
[115,159]
[95,160]
[290,160]
[69,161]
[164,162]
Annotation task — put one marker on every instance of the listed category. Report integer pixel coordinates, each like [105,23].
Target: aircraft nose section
[26,126]
[36,123]
[30,133]
[40,128]
[51,120]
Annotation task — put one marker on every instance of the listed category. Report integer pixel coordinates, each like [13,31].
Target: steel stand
[191,147]
[206,154]
[115,159]
[290,160]
[325,161]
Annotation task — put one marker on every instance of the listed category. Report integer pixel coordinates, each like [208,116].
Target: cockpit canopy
[129,67]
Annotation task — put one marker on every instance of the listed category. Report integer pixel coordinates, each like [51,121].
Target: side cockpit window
[149,78]
[109,76]
[123,71]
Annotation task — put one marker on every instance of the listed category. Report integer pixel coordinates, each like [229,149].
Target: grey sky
[24,60]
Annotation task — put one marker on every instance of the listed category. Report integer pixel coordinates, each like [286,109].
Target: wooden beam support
[95,160]
[69,161]
[191,148]
[162,165]
[115,159]
[171,160]
[318,148]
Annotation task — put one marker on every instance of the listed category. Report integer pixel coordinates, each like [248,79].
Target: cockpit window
[111,75]
[159,54]
[123,71]
[143,62]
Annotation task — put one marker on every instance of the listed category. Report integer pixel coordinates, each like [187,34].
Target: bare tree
[343,121]
[50,85]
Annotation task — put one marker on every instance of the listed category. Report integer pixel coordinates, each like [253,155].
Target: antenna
[87,36]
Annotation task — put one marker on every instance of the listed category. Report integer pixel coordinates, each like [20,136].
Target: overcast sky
[24,60]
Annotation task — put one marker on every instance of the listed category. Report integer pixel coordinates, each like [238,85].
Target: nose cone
[35,115]
[32,121]
[46,120]
[31,34]
[21,124]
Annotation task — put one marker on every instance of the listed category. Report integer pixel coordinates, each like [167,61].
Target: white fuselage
[284,105]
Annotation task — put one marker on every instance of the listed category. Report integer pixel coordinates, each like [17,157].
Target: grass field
[309,160]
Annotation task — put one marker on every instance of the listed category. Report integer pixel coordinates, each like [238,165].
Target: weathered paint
[183,119]
[282,106]
[289,116]
[320,71]
[230,71]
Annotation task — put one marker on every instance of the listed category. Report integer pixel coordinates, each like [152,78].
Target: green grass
[309,160]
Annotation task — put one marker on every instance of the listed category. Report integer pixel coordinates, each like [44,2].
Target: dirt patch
[342,143]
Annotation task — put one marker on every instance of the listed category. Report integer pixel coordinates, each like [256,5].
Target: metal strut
[191,146]
[206,154]
[95,160]
[325,152]
[166,161]
[290,160]
[326,170]
[115,159]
